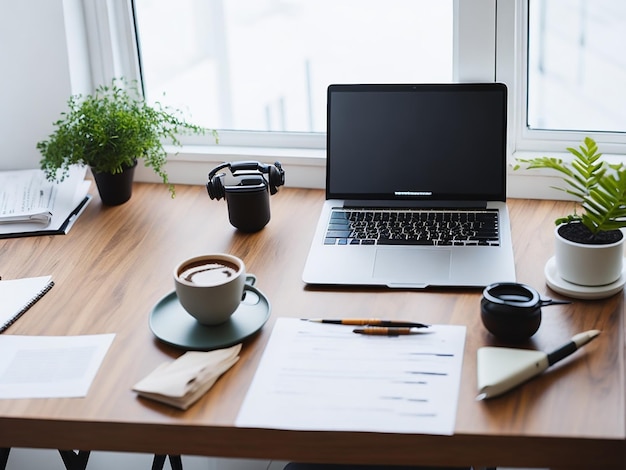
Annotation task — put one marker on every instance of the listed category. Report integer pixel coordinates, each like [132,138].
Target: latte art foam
[208,273]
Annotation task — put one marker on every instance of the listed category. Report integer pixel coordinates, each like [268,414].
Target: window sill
[306,168]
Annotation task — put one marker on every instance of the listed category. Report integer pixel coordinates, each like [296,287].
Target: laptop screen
[435,142]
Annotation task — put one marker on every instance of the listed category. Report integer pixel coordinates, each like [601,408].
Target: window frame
[512,68]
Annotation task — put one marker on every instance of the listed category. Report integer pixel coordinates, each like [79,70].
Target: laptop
[398,153]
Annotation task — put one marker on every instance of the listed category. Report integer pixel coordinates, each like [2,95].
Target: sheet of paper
[50,366]
[28,192]
[316,376]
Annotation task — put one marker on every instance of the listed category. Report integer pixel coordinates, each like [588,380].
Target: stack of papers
[182,382]
[32,205]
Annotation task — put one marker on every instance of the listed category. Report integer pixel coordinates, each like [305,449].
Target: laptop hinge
[416,204]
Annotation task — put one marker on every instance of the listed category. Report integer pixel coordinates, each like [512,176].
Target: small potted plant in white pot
[110,130]
[589,244]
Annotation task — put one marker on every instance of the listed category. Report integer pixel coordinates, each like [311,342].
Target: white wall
[36,78]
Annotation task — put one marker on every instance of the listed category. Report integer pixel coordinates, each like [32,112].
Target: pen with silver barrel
[387,330]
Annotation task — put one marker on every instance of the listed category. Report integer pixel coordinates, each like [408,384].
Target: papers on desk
[50,366]
[316,376]
[31,205]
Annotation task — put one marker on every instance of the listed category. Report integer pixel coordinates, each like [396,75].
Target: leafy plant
[110,129]
[599,187]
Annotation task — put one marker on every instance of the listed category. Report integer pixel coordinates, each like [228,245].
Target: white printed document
[50,366]
[315,376]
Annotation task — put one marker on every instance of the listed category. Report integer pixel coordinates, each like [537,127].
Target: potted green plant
[110,130]
[589,243]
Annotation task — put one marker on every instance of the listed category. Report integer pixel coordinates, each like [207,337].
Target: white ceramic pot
[588,265]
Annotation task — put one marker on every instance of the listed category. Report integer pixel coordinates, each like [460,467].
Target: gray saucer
[173,325]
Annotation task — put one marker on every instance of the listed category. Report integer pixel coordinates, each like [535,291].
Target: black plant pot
[115,188]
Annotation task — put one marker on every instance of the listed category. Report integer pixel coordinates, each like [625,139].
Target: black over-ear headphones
[248,200]
[252,179]
[512,311]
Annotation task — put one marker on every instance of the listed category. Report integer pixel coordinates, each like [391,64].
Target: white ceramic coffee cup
[210,287]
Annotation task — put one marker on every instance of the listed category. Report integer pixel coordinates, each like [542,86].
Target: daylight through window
[577,65]
[264,65]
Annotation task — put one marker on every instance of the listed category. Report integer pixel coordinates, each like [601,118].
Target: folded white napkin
[182,382]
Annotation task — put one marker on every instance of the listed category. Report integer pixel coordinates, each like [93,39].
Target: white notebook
[18,295]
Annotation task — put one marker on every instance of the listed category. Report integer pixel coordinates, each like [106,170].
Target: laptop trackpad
[421,266]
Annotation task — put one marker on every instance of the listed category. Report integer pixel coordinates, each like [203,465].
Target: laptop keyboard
[413,227]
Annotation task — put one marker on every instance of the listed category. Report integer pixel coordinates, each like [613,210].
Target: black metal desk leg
[159,461]
[75,460]
[4,457]
[176,462]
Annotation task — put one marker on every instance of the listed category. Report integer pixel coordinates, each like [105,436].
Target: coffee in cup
[210,287]
[209,272]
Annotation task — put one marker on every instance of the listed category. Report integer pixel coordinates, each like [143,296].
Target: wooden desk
[116,263]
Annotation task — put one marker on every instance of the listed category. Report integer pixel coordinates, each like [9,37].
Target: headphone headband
[218,168]
[251,173]
[247,165]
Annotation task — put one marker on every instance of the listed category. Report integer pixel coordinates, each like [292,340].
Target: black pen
[369,322]
[386,331]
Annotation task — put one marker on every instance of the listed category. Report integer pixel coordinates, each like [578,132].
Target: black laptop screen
[417,142]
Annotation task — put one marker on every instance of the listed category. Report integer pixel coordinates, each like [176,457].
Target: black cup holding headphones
[248,200]
[511,311]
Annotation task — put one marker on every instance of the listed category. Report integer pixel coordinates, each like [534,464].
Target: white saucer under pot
[558,284]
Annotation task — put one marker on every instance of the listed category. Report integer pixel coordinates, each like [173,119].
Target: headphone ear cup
[215,187]
[276,177]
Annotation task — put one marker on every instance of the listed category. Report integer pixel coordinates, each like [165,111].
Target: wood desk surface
[116,263]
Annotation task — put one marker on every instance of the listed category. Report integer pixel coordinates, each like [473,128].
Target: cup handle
[250,279]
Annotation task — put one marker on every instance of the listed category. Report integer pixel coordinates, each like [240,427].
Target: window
[416,40]
[264,65]
[577,65]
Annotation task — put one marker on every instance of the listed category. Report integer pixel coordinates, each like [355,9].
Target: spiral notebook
[19,295]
